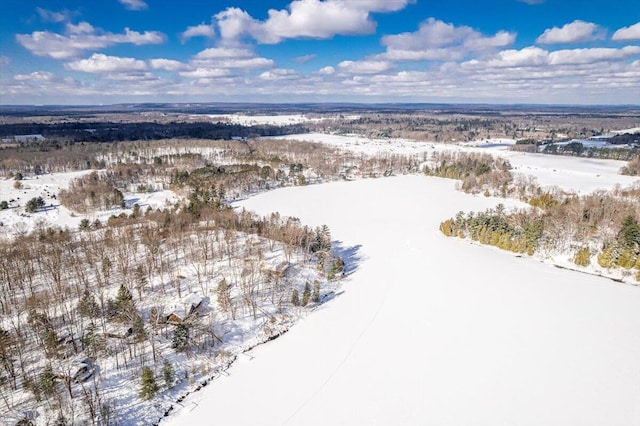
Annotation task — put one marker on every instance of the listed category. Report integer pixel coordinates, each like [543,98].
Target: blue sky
[493,51]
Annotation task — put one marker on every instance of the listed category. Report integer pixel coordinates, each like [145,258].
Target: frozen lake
[431,330]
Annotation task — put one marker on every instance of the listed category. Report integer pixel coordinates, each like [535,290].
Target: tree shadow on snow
[349,254]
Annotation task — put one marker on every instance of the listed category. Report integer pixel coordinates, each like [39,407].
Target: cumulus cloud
[627,33]
[280,74]
[230,57]
[35,76]
[166,64]
[327,70]
[436,40]
[224,52]
[206,73]
[100,63]
[202,30]
[317,19]
[80,38]
[575,32]
[365,67]
[528,57]
[593,55]
[81,28]
[134,4]
[534,56]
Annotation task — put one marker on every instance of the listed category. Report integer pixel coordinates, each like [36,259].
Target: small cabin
[191,306]
[279,270]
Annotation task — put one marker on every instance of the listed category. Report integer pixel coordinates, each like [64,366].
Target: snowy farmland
[431,330]
[576,174]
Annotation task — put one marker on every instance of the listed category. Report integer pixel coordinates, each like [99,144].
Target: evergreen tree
[306,294]
[47,381]
[180,341]
[295,299]
[124,295]
[168,373]
[139,333]
[315,298]
[149,387]
[87,306]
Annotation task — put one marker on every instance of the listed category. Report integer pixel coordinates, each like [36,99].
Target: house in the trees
[278,270]
[191,306]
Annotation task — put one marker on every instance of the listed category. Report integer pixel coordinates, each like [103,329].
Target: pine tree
[124,295]
[47,381]
[149,387]
[315,298]
[139,333]
[87,306]
[295,299]
[306,294]
[168,373]
[180,341]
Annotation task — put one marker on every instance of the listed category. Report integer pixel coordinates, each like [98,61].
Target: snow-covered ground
[433,330]
[15,220]
[275,120]
[576,174]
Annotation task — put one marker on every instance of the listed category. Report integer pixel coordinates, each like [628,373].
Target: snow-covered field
[275,120]
[576,174]
[431,330]
[15,220]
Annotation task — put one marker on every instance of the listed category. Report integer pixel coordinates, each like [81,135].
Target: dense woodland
[106,290]
[601,227]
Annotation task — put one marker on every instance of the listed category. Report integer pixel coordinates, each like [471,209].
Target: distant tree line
[130,131]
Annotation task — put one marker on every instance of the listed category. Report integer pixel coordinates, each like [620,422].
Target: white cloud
[280,74]
[327,70]
[528,57]
[304,58]
[315,19]
[100,63]
[224,52]
[365,67]
[593,55]
[234,23]
[206,73]
[4,61]
[166,64]
[378,5]
[532,57]
[436,40]
[49,16]
[202,30]
[230,57]
[81,28]
[134,4]
[575,32]
[35,76]
[80,38]
[627,33]
[532,1]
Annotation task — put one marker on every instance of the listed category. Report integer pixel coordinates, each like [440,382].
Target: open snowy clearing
[577,174]
[15,220]
[431,330]
[274,120]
